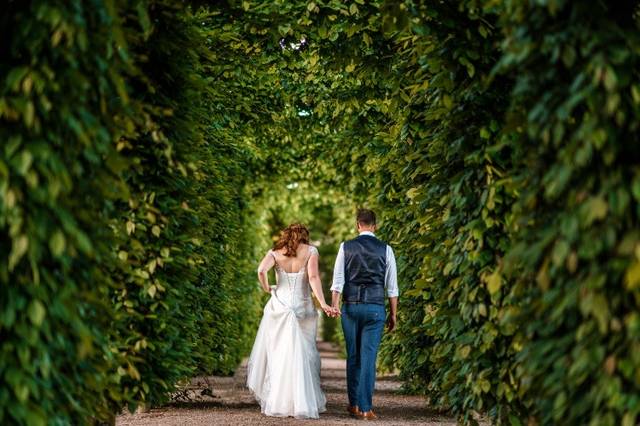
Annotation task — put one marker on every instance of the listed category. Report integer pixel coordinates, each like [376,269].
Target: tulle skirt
[283,371]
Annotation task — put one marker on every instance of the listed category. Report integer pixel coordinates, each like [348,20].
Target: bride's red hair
[291,237]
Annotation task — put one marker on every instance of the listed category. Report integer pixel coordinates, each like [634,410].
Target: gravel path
[225,401]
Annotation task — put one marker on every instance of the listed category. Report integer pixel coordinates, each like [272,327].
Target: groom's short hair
[366,217]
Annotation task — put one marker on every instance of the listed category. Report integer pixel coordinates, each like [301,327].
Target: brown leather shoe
[354,411]
[369,415]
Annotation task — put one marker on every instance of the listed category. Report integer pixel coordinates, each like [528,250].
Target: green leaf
[629,419]
[465,351]
[494,282]
[143,18]
[482,310]
[18,250]
[21,391]
[610,79]
[421,284]
[595,208]
[34,419]
[23,162]
[83,242]
[15,76]
[542,277]
[412,193]
[632,276]
[36,312]
[514,420]
[635,188]
[560,252]
[57,243]
[366,38]
[448,268]
[485,385]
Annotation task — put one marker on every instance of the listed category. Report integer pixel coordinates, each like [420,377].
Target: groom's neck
[362,229]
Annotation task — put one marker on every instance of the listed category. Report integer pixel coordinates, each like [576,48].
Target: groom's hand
[336,311]
[391,323]
[329,311]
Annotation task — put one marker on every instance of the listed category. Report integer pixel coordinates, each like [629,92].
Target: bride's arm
[314,280]
[267,263]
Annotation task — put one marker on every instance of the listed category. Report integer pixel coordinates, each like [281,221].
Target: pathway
[225,401]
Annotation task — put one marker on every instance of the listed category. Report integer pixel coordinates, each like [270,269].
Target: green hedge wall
[497,140]
[442,212]
[60,70]
[574,237]
[515,209]
[122,211]
[183,238]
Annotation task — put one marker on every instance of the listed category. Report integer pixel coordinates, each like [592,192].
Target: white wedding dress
[284,367]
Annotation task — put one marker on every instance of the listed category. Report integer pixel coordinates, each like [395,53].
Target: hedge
[122,212]
[497,141]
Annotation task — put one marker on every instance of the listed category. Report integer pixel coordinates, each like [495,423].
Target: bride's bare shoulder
[310,249]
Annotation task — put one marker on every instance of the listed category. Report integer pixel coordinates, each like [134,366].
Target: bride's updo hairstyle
[291,237]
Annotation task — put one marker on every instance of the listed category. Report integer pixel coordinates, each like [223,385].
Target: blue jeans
[362,324]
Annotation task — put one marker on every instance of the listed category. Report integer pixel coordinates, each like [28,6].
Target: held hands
[330,311]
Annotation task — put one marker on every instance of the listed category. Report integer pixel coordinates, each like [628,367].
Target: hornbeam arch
[498,141]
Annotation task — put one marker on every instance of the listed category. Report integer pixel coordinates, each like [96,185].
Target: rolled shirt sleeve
[391,274]
[338,271]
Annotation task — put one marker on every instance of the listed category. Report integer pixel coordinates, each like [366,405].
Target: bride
[284,367]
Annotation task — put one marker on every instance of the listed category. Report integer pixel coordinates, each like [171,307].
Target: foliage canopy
[498,141]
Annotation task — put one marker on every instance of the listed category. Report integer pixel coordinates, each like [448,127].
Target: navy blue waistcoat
[365,264]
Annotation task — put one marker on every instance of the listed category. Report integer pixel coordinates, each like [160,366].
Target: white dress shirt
[390,276]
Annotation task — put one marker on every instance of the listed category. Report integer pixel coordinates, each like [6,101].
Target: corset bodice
[293,288]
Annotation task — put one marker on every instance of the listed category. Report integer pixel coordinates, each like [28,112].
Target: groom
[364,267]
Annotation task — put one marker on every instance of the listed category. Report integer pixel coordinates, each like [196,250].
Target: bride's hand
[329,311]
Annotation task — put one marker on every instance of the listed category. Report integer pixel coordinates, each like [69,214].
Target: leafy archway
[498,141]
